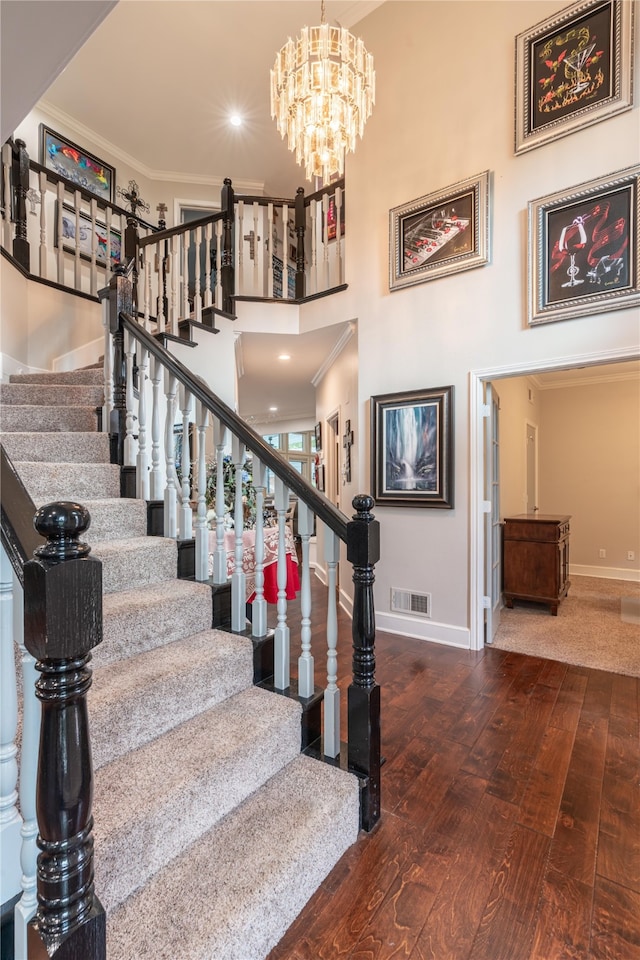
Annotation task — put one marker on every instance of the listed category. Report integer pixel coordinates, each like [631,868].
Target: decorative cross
[251,237]
[347,443]
[133,198]
[162,220]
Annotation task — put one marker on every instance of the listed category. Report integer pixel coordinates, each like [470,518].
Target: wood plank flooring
[511,814]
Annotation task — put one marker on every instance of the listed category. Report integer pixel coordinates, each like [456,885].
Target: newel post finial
[63,622]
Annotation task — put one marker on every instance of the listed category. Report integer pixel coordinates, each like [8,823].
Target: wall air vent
[405,601]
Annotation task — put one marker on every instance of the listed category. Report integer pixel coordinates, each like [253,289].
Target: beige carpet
[589,630]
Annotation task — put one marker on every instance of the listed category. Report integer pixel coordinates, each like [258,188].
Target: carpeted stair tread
[51,394]
[136,562]
[69,481]
[233,895]
[27,417]
[84,376]
[57,447]
[179,785]
[115,519]
[138,620]
[136,700]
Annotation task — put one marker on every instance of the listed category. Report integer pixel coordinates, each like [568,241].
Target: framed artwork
[584,249]
[77,165]
[412,448]
[572,70]
[330,220]
[320,477]
[318,436]
[443,232]
[88,234]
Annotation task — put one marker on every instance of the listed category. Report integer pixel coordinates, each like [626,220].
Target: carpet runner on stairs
[211,831]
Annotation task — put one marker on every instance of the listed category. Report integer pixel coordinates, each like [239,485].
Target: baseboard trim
[443,633]
[605,573]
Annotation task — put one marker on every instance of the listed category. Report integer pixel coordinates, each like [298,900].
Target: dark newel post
[363,552]
[301,224]
[131,255]
[63,622]
[20,179]
[120,300]
[226,266]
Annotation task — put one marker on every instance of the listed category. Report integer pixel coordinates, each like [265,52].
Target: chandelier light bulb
[322,94]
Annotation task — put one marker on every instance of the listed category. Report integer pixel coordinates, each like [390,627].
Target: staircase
[211,830]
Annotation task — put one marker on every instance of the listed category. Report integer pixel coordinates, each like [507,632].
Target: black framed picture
[91,236]
[584,249]
[412,448]
[77,165]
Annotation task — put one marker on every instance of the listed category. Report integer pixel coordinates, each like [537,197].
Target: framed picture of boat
[412,448]
[441,233]
[572,70]
[77,165]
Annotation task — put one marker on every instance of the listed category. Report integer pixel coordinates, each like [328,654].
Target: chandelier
[322,92]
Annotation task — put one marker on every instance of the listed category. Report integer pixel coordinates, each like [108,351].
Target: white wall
[445,111]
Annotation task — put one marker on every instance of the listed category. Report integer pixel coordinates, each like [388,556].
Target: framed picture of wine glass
[572,70]
[584,248]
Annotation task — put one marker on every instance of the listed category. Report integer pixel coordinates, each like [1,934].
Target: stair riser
[69,481]
[25,419]
[50,395]
[125,567]
[57,447]
[223,776]
[113,519]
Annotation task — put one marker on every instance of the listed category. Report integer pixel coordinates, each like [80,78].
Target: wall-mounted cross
[162,220]
[347,443]
[251,237]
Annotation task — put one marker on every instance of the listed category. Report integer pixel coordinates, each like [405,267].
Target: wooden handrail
[161,235]
[321,506]
[19,538]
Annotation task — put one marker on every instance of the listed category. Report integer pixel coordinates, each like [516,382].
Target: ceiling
[168,74]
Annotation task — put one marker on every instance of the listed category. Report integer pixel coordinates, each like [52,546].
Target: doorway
[479,541]
[531,439]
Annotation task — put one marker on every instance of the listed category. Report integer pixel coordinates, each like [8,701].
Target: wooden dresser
[536,558]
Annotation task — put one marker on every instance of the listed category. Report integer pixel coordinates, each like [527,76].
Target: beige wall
[590,467]
[519,405]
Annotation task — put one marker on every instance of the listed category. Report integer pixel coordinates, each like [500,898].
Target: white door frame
[476,466]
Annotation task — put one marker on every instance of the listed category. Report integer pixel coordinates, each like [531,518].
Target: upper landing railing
[256,248]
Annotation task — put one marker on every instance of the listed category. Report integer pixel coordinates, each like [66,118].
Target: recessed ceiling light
[235,120]
[273,409]
[284,356]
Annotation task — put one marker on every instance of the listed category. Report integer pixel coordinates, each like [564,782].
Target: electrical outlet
[602,554]
[631,555]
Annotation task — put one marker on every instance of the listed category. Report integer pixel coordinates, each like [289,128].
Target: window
[299,449]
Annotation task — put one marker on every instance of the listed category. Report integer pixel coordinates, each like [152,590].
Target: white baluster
[238,579]
[59,212]
[220,434]
[240,234]
[202,532]
[77,276]
[208,299]
[7,231]
[42,182]
[186,516]
[174,261]
[272,249]
[218,297]
[332,692]
[31,713]
[285,252]
[281,638]
[339,243]
[142,463]
[259,605]
[305,660]
[130,418]
[146,281]
[10,819]
[170,492]
[107,226]
[93,207]
[108,368]
[197,296]
[313,270]
[156,467]
[325,243]
[256,247]
[186,310]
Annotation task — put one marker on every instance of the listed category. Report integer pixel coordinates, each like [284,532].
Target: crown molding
[338,347]
[82,132]
[588,380]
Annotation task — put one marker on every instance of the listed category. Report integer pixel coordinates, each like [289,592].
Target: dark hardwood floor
[511,814]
